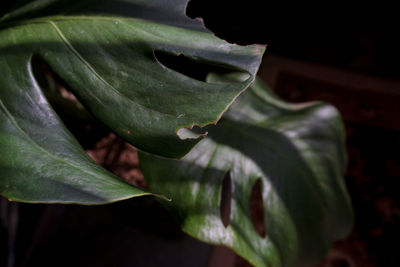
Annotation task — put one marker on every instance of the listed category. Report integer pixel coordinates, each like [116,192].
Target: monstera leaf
[109,61]
[297,153]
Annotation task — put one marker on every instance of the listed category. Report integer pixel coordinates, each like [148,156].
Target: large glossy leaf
[110,65]
[171,12]
[298,154]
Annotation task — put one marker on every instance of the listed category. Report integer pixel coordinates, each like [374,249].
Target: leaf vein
[89,66]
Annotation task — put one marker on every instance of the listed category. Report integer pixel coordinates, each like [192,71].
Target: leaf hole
[188,66]
[226,199]
[257,208]
[105,148]
[71,111]
[120,158]
[48,80]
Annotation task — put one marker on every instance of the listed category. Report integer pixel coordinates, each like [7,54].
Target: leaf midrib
[52,19]
[90,67]
[46,19]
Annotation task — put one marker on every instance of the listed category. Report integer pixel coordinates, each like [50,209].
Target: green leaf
[110,65]
[297,151]
[171,12]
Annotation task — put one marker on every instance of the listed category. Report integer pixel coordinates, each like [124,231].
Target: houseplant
[112,64]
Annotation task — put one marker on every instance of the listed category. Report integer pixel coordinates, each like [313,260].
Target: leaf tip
[169,199]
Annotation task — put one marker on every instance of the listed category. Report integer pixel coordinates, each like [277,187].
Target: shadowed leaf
[297,154]
[108,60]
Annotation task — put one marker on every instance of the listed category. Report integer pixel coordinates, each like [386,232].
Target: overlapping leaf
[110,65]
[298,154]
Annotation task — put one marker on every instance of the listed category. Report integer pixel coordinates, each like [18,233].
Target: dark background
[357,38]
[336,33]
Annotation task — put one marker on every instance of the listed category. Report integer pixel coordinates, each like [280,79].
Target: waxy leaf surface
[109,62]
[296,151]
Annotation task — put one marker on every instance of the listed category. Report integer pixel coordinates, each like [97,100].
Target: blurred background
[340,52]
[345,53]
